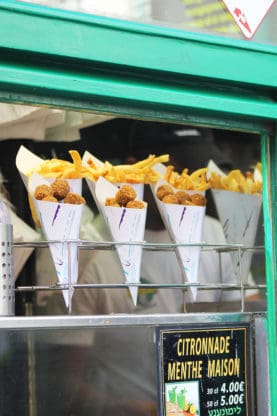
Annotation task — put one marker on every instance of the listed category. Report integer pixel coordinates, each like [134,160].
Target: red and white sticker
[248,14]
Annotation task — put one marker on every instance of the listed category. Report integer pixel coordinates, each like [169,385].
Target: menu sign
[204,370]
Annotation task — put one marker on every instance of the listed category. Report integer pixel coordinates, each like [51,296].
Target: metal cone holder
[6,270]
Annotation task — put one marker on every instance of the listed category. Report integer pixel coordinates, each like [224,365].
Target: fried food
[198,199]
[136,204]
[170,199]
[125,197]
[164,190]
[60,188]
[62,169]
[76,172]
[74,198]
[199,178]
[50,198]
[183,197]
[139,172]
[168,196]
[42,191]
[125,194]
[236,181]
[196,181]
[111,202]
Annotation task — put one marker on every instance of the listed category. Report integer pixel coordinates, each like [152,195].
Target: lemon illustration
[186,406]
[192,409]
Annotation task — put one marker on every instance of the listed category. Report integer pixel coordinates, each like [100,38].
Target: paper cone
[60,221]
[239,215]
[212,167]
[185,226]
[160,168]
[26,161]
[125,225]
[91,184]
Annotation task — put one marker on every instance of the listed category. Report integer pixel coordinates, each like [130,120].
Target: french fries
[236,181]
[196,181]
[60,169]
[140,172]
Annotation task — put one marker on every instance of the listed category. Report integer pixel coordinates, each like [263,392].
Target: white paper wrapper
[160,168]
[212,167]
[26,161]
[88,156]
[125,225]
[60,221]
[239,215]
[185,226]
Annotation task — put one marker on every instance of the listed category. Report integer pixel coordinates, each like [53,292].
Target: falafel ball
[60,188]
[198,199]
[170,199]
[164,190]
[125,194]
[111,202]
[183,197]
[135,204]
[50,198]
[42,191]
[73,198]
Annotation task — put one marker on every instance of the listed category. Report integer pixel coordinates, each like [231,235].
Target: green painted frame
[69,60]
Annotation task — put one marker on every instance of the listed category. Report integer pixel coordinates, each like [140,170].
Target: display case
[65,60]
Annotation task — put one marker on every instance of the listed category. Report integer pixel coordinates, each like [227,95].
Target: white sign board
[248,14]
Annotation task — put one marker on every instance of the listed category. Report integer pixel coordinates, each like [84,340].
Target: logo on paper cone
[185,226]
[239,215]
[62,222]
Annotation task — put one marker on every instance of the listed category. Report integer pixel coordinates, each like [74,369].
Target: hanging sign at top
[248,14]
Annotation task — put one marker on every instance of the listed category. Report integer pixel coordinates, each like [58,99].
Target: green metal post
[268,150]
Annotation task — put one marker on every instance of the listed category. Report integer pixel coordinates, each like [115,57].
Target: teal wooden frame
[69,60]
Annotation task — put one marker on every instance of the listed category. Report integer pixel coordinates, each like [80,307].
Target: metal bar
[105,76]
[135,45]
[83,244]
[204,286]
[76,322]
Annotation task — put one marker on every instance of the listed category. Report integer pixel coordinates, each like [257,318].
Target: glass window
[201,16]
[126,141]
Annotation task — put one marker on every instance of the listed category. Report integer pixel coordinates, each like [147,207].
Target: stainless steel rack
[239,285]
